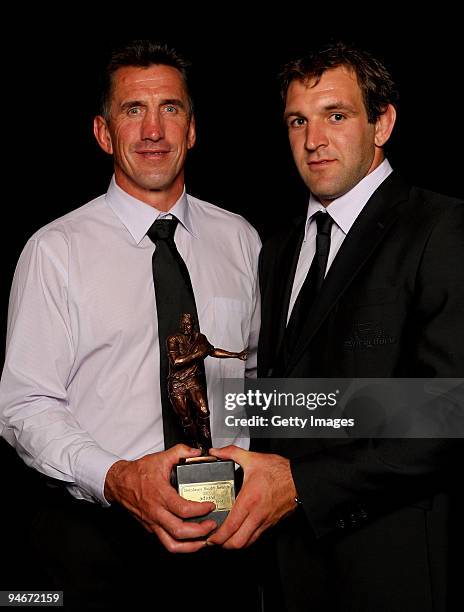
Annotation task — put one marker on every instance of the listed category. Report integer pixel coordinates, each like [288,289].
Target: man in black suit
[360,524]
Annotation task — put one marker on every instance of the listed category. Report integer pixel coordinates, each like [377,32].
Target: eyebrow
[290,113]
[174,101]
[338,105]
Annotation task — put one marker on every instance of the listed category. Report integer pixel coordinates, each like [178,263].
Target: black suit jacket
[372,532]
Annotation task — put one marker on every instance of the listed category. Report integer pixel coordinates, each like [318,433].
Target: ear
[191,135]
[102,134]
[384,126]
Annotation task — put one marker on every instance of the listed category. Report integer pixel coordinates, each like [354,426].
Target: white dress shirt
[344,211]
[80,387]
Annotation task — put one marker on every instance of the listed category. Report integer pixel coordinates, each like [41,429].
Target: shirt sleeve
[35,415]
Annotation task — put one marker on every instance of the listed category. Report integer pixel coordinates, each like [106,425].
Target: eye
[296,122]
[134,110]
[337,117]
[170,108]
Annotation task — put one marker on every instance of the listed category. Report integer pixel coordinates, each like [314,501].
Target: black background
[241,160]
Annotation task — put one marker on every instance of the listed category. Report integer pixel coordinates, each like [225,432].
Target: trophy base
[207,479]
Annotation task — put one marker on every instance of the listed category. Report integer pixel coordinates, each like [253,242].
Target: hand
[243,355]
[143,488]
[267,495]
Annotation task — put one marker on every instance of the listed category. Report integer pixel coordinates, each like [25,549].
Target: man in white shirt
[80,389]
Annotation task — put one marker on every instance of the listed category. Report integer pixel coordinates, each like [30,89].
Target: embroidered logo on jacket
[368,335]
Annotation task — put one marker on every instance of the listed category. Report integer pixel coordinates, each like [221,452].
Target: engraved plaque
[207,479]
[222,493]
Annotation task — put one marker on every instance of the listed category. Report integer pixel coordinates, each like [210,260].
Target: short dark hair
[376,83]
[141,53]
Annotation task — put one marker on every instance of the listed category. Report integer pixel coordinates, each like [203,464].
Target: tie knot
[324,223]
[162,229]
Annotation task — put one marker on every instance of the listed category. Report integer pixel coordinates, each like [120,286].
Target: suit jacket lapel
[366,233]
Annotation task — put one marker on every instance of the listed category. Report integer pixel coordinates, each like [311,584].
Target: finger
[257,534]
[174,506]
[183,530]
[182,451]
[239,455]
[230,526]
[144,524]
[178,528]
[185,508]
[176,454]
[176,546]
[243,536]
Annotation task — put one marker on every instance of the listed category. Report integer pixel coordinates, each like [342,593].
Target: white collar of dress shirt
[345,209]
[137,216]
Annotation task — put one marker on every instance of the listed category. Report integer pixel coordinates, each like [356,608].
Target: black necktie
[312,282]
[174,296]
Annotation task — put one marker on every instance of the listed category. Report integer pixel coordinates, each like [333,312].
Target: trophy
[203,478]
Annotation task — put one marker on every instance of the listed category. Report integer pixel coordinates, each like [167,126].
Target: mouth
[320,163]
[153,154]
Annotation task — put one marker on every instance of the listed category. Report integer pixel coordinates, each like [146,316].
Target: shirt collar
[345,209]
[138,217]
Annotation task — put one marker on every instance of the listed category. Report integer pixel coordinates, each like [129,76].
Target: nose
[152,126]
[316,136]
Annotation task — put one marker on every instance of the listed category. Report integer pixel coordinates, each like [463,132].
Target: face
[333,144]
[149,131]
[187,326]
